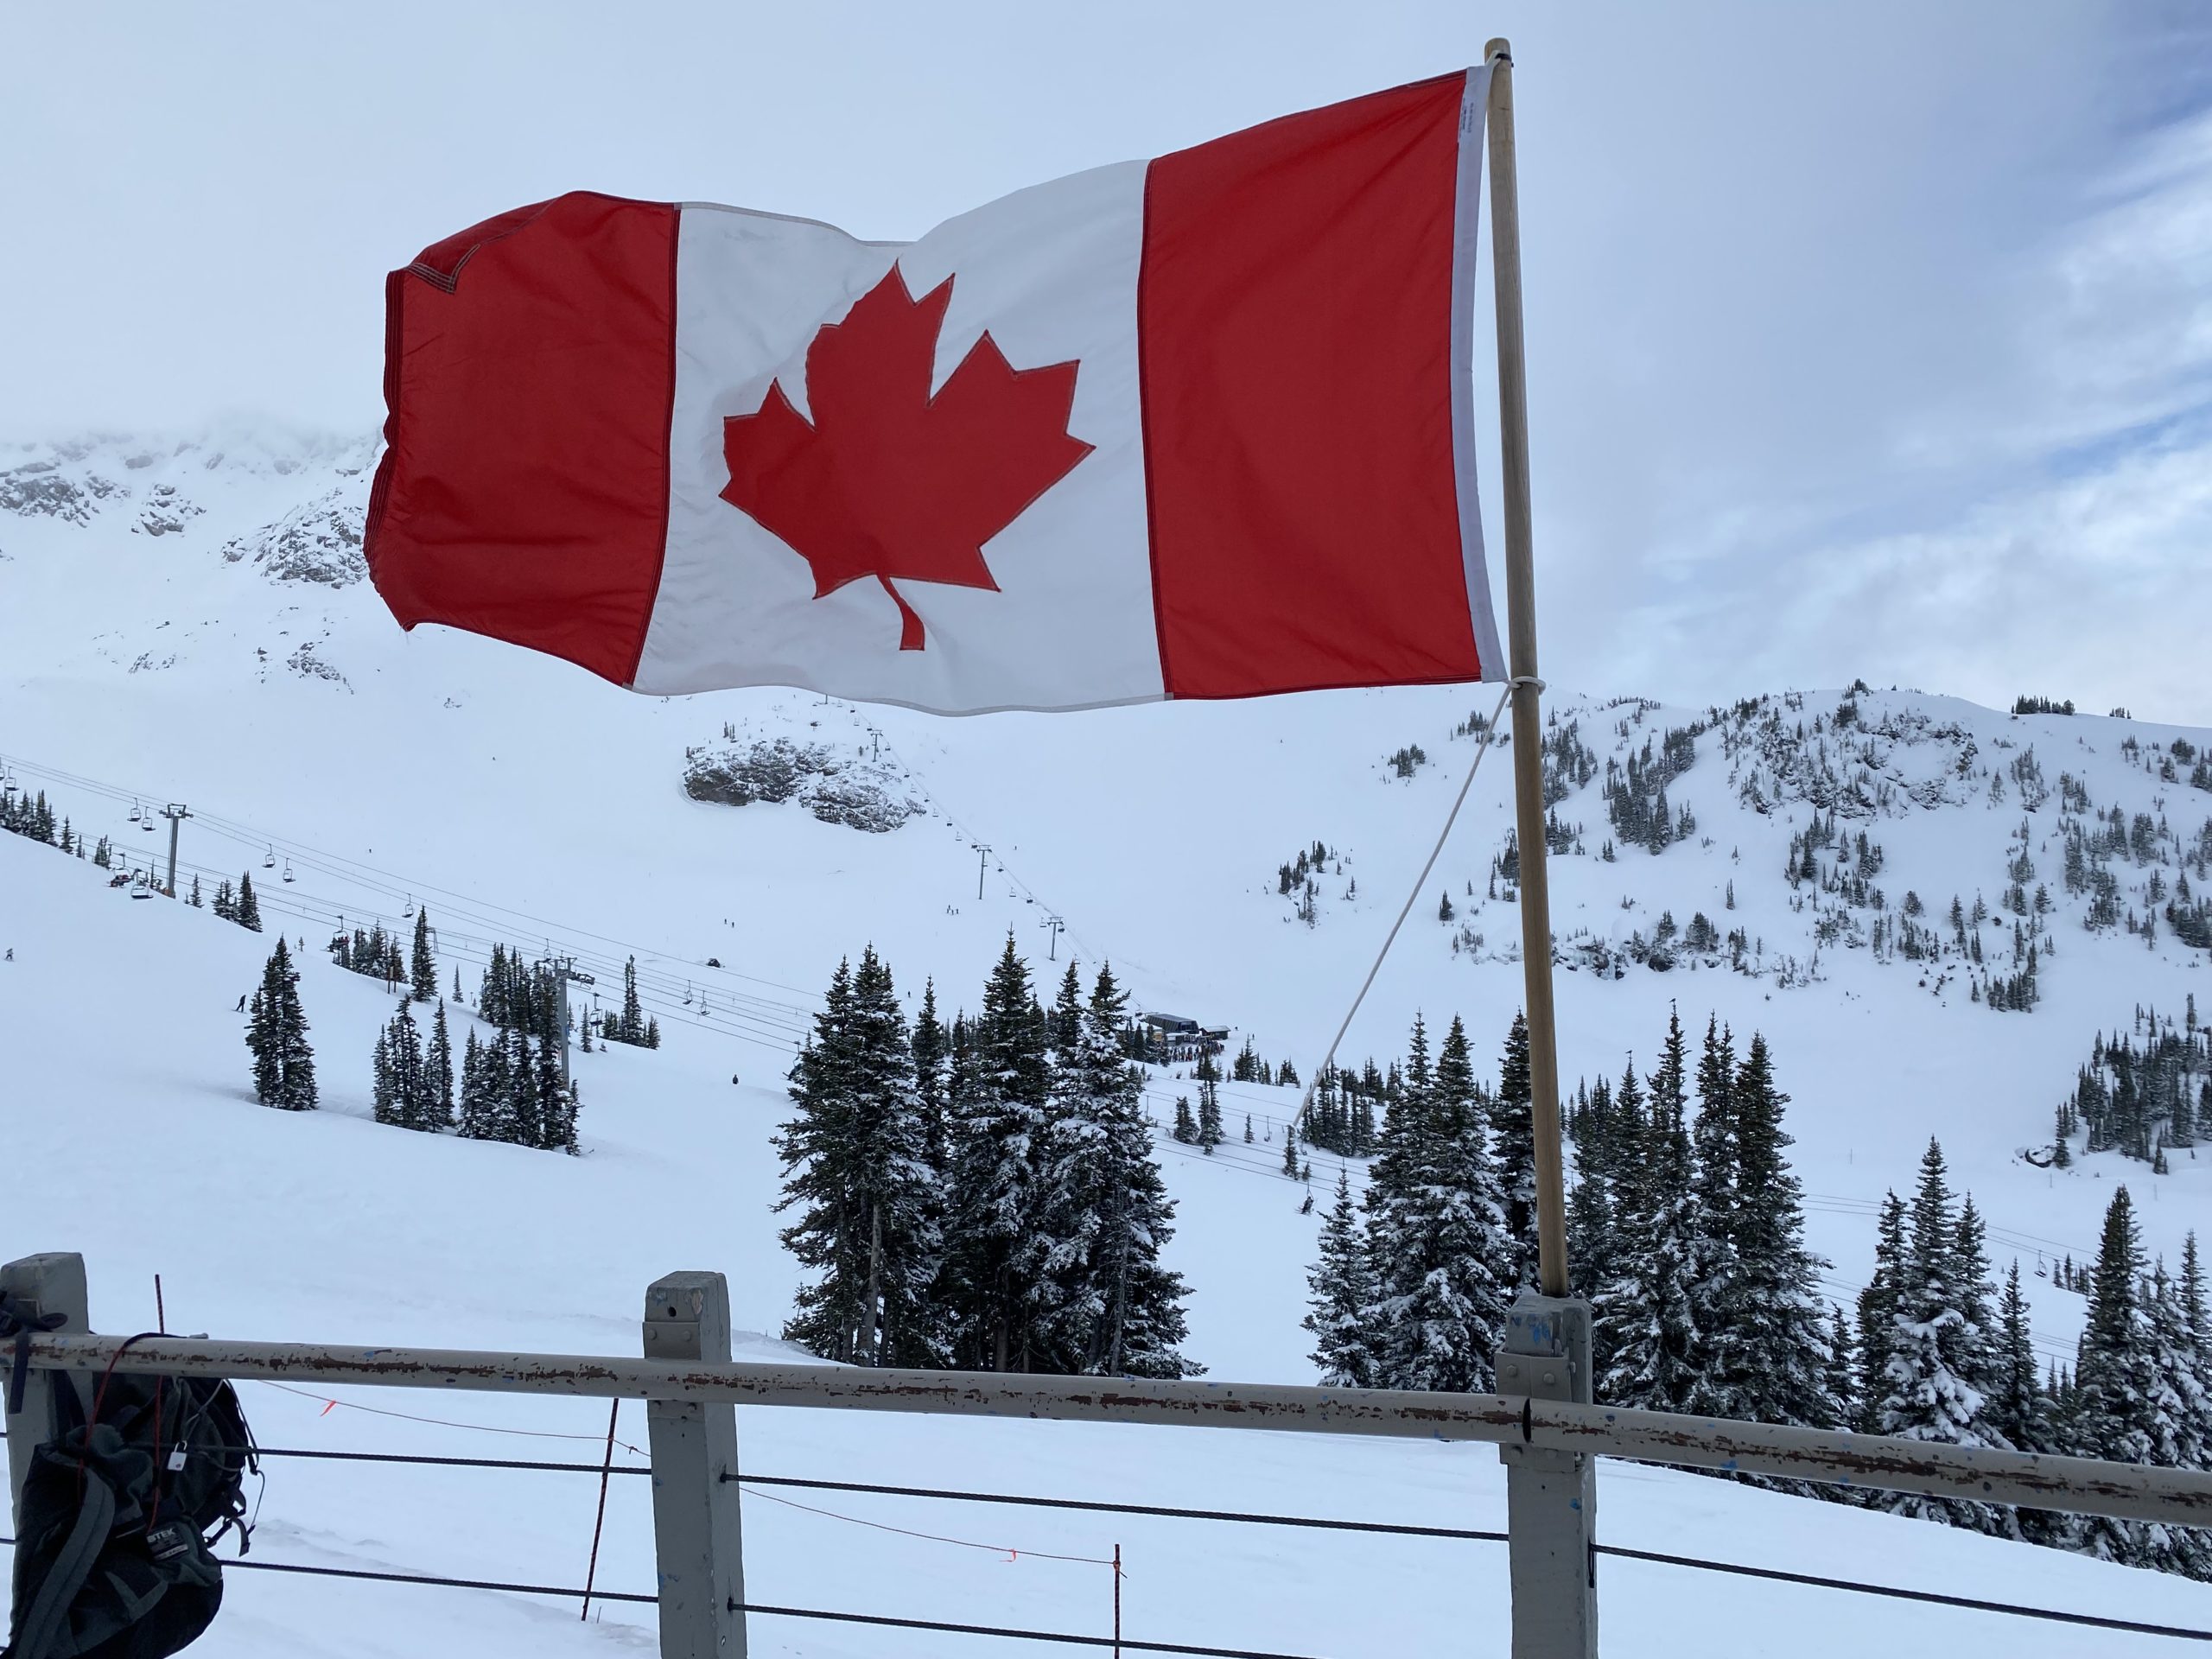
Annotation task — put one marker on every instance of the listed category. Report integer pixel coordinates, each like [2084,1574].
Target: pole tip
[1498,47]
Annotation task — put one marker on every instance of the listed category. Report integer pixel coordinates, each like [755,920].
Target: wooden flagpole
[1527,727]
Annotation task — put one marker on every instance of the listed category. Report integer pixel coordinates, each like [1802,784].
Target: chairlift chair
[269,859]
[288,869]
[134,811]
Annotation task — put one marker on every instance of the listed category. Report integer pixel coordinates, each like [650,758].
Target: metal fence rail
[2031,1480]
[691,1386]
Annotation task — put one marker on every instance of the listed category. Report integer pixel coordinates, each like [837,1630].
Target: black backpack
[115,1544]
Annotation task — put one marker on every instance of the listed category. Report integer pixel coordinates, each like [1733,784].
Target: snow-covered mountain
[185,621]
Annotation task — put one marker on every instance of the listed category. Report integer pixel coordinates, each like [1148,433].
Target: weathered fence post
[695,1534]
[37,1286]
[1551,1498]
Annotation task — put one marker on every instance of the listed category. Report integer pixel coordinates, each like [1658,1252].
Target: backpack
[120,1514]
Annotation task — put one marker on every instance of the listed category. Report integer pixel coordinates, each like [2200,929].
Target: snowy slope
[522,801]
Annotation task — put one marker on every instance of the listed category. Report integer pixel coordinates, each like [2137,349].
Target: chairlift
[148,826]
[288,869]
[134,811]
[269,859]
[411,906]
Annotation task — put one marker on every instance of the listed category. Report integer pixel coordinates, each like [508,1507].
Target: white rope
[1421,881]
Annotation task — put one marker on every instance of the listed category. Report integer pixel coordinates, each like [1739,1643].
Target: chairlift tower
[177,813]
[563,969]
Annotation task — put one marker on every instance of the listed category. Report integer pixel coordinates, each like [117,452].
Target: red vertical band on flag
[529,367]
[1295,331]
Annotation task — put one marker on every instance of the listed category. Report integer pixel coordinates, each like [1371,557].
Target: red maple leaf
[886,480]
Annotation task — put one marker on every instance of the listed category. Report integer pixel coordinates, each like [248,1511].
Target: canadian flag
[1196,427]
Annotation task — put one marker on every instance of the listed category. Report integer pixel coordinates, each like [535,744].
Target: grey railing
[691,1386]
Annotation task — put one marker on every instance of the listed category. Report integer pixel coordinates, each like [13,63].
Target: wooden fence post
[696,1531]
[34,1286]
[1551,1497]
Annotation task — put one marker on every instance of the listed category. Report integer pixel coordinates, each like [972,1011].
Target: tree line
[1687,1239]
[513,1086]
[980,1193]
[1945,1355]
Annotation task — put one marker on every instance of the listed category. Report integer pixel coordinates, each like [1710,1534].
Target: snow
[524,802]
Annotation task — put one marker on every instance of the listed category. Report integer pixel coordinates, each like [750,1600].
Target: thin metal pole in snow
[982,864]
[1117,1602]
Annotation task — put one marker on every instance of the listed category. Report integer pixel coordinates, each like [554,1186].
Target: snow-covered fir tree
[1656,1355]
[437,1065]
[1933,1348]
[1437,1231]
[1513,1143]
[998,1120]
[1103,1301]
[423,967]
[1209,1127]
[276,1036]
[2115,1406]
[856,1171]
[1340,1292]
[1770,1348]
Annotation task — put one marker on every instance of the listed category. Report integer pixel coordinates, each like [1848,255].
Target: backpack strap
[66,1574]
[18,1322]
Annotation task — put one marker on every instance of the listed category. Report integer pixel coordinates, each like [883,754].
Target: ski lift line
[762,1035]
[451,935]
[372,877]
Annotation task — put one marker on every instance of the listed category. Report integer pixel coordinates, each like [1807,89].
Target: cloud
[1857,336]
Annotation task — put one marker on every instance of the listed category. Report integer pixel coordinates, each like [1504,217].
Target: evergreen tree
[1842,1374]
[2176,1417]
[383,1084]
[995,1145]
[437,1063]
[483,1089]
[856,1167]
[1933,1349]
[1612,1281]
[1877,1308]
[1714,1296]
[194,898]
[933,1052]
[422,976]
[401,1090]
[633,1026]
[276,1035]
[1656,1353]
[1208,1077]
[1109,1306]
[1444,1258]
[1769,1352]
[1513,1142]
[549,1116]
[1341,1290]
[247,914]
[2116,1384]
[1186,1125]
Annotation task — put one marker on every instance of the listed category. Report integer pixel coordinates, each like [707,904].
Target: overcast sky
[1863,339]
